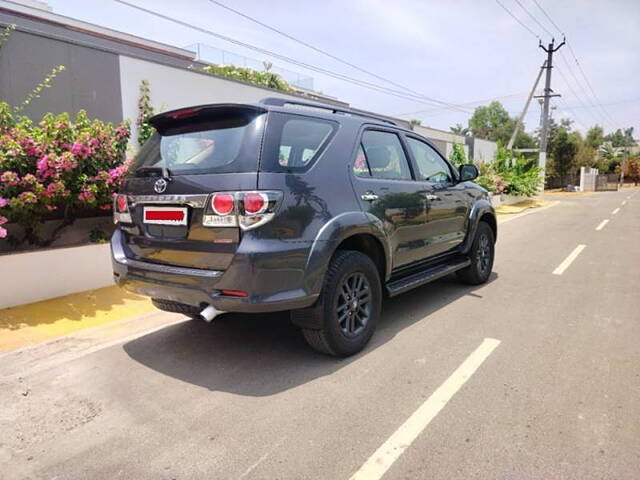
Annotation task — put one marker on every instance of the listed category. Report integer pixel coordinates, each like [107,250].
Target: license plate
[165,215]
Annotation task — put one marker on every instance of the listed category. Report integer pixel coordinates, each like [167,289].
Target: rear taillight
[121,212]
[222,203]
[244,209]
[255,202]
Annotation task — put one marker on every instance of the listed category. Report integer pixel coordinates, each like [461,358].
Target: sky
[462,52]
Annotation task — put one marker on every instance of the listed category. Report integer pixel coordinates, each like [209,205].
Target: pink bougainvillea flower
[29,180]
[3,220]
[28,197]
[10,178]
[3,232]
[87,196]
[3,202]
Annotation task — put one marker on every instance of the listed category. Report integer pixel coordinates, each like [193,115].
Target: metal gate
[607,182]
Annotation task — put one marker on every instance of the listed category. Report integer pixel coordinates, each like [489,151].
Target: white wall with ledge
[33,276]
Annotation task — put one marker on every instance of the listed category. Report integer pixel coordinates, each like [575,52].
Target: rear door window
[294,142]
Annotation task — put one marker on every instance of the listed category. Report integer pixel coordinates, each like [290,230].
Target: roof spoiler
[181,116]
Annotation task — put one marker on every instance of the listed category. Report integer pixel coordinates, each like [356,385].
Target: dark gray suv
[285,205]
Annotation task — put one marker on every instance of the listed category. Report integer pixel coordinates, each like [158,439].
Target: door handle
[369,197]
[431,196]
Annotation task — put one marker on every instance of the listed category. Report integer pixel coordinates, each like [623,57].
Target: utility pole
[548,93]
[526,107]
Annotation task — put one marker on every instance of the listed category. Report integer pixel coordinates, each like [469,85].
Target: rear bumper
[200,287]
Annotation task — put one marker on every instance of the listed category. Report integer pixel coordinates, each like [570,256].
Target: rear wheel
[481,256]
[348,308]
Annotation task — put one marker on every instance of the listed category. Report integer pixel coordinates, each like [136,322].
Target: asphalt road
[554,392]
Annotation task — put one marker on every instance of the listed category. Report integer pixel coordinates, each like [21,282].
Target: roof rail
[281,102]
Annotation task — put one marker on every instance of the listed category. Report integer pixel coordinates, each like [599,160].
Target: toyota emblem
[161,185]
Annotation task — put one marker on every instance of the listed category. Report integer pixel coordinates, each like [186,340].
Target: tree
[492,122]
[459,129]
[610,158]
[458,156]
[595,137]
[621,138]
[564,149]
[632,170]
[586,156]
[416,122]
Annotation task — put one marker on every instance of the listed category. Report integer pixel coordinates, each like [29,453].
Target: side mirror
[468,172]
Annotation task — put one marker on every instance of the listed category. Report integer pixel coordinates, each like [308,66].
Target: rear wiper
[153,172]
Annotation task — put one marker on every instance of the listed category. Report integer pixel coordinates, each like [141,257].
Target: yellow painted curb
[520,206]
[37,322]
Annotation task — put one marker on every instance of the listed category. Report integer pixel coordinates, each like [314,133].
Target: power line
[518,20]
[593,112]
[598,103]
[548,17]
[362,83]
[534,18]
[577,118]
[610,104]
[594,104]
[324,52]
[466,104]
[586,79]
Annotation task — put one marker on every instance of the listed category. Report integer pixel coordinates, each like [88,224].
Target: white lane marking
[615,211]
[602,224]
[382,459]
[567,261]
[624,202]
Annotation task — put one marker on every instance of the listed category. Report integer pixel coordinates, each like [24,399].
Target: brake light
[121,212]
[121,203]
[184,113]
[244,209]
[222,203]
[255,202]
[235,293]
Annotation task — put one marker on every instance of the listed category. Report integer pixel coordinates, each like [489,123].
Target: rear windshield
[294,142]
[225,143]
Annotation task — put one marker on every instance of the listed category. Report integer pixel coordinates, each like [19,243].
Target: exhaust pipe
[209,313]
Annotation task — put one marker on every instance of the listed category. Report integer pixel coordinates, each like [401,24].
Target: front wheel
[481,255]
[348,308]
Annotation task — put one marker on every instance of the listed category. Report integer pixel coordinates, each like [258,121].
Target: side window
[360,167]
[384,156]
[301,139]
[431,166]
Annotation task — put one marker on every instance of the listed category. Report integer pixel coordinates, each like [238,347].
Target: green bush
[248,75]
[511,175]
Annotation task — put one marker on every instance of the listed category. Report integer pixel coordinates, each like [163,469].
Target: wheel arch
[482,211]
[358,231]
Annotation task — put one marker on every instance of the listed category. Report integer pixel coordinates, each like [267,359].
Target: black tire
[352,288]
[176,307]
[482,254]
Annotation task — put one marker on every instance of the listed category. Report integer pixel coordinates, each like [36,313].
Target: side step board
[425,276]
